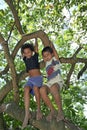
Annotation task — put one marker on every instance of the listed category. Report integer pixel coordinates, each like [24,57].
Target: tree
[25,20]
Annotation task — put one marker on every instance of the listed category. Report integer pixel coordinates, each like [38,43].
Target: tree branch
[17,21]
[11,66]
[69,75]
[10,32]
[4,71]
[77,51]
[82,71]
[16,112]
[72,60]
[8,87]
[13,110]
[72,67]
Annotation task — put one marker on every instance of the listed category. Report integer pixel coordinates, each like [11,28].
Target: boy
[55,81]
[30,57]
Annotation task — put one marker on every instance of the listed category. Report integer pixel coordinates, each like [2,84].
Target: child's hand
[54,51]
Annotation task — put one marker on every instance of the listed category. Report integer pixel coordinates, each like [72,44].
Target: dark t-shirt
[32,62]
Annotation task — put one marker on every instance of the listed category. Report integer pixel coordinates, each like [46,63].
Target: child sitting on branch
[30,58]
[55,81]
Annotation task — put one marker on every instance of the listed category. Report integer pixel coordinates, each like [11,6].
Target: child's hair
[27,45]
[47,49]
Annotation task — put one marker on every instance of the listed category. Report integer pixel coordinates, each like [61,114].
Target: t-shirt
[32,62]
[52,68]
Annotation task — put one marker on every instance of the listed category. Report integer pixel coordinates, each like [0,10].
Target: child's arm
[23,57]
[54,51]
[36,45]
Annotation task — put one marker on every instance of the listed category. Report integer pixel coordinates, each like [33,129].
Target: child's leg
[43,92]
[37,96]
[27,105]
[55,90]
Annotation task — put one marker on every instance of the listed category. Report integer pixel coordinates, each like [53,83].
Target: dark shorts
[36,81]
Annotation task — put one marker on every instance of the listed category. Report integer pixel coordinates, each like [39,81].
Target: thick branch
[16,112]
[12,67]
[38,34]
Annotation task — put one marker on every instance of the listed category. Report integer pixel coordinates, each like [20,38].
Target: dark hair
[47,49]
[27,45]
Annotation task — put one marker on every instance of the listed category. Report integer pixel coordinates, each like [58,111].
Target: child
[55,81]
[30,57]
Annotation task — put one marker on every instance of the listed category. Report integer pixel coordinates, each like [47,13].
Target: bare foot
[25,122]
[39,115]
[50,116]
[60,116]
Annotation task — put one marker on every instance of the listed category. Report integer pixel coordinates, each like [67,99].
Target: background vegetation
[65,23]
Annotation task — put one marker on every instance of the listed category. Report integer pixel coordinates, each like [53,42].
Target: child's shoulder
[54,58]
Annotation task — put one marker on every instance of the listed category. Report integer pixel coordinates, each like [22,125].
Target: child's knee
[42,90]
[26,89]
[55,93]
[55,87]
[55,90]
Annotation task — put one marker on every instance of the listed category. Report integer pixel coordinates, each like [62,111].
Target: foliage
[66,25]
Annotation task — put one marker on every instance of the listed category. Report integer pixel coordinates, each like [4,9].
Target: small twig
[11,31]
[82,71]
[69,75]
[77,51]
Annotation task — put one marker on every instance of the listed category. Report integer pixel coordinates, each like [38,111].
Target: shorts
[57,79]
[34,81]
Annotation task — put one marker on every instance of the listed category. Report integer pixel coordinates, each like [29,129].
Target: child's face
[27,53]
[47,56]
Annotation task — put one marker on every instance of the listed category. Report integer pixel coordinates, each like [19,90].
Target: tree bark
[13,110]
